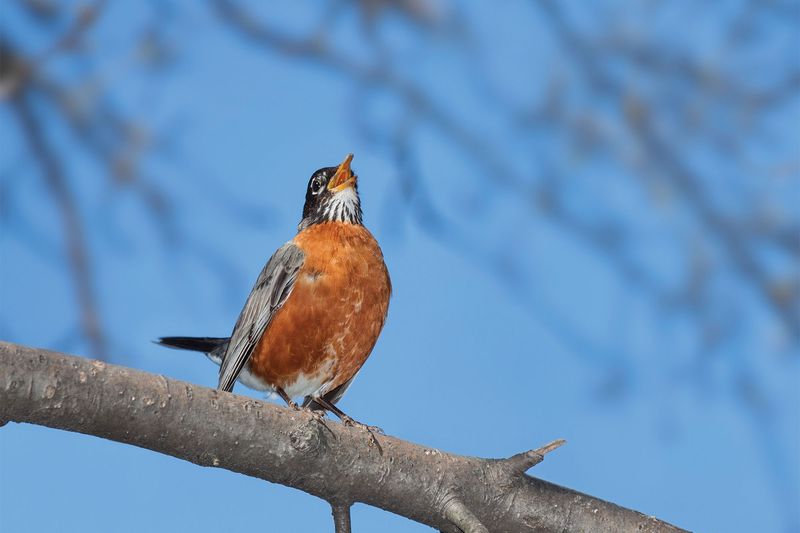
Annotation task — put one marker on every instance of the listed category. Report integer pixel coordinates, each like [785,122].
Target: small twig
[461,517]
[18,72]
[341,517]
[521,462]
[547,448]
[84,19]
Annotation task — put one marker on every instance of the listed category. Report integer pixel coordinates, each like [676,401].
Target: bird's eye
[316,185]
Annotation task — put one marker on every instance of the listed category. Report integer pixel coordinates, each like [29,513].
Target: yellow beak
[343,178]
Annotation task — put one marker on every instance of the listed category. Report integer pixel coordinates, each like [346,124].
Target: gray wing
[271,290]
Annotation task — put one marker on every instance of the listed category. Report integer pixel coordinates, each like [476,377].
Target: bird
[317,308]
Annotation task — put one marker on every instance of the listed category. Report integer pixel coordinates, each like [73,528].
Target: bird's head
[332,195]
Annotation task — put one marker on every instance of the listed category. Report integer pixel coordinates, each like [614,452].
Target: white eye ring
[316,185]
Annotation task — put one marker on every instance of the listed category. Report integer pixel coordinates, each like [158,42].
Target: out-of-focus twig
[74,230]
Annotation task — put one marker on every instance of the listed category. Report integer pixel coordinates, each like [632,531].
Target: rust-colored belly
[329,324]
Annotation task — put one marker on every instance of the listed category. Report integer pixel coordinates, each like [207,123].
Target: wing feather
[272,288]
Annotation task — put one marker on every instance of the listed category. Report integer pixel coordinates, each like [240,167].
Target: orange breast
[329,324]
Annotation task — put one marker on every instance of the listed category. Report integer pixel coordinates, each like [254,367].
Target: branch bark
[339,464]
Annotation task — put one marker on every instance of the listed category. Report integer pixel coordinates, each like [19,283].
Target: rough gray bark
[339,464]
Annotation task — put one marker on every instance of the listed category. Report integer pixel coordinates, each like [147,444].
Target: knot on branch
[306,438]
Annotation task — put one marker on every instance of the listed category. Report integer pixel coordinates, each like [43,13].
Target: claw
[315,413]
[365,427]
[372,430]
[348,421]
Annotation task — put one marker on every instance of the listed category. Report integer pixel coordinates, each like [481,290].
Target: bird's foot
[347,421]
[316,414]
[372,430]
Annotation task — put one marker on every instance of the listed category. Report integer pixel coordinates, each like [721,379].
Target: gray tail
[197,344]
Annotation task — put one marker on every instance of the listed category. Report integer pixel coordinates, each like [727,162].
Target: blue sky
[478,357]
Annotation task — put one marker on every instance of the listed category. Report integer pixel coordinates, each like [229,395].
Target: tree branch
[449,492]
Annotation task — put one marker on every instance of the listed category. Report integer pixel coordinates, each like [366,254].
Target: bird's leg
[346,420]
[286,398]
[318,412]
[318,415]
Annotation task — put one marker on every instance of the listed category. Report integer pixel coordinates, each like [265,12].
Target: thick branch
[331,461]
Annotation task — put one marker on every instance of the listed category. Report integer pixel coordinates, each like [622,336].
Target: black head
[332,195]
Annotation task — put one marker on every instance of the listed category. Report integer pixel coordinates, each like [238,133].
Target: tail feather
[197,344]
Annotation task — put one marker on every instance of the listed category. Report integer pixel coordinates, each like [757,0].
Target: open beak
[343,178]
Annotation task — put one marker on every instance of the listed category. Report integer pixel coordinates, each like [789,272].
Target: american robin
[316,309]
